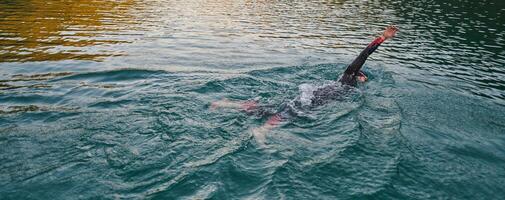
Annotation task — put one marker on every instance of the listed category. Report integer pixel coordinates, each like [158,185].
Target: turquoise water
[110,100]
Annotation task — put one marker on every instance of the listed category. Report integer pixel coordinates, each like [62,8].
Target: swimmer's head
[361,77]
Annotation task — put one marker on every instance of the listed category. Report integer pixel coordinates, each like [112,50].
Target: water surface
[103,99]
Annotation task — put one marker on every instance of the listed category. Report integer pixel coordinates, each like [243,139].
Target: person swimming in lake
[331,92]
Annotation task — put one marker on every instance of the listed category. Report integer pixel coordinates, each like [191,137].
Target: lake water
[110,100]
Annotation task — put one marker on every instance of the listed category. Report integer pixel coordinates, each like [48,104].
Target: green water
[111,100]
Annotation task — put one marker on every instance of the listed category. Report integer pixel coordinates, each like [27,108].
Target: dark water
[110,100]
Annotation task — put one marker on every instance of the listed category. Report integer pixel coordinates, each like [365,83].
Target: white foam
[306,93]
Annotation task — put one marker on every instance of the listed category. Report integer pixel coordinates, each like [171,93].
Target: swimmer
[352,75]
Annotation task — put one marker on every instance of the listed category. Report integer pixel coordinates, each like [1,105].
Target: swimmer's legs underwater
[259,133]
[252,107]
[242,105]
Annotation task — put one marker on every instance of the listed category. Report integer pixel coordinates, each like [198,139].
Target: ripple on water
[111,100]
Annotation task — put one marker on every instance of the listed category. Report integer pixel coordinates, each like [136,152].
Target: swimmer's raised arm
[349,76]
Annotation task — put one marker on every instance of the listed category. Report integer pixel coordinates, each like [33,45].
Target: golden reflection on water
[34,30]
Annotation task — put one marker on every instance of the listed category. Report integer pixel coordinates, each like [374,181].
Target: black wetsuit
[329,92]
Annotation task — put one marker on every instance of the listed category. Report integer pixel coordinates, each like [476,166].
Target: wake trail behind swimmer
[320,96]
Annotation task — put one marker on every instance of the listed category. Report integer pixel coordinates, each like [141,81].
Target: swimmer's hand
[390,32]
